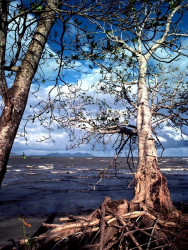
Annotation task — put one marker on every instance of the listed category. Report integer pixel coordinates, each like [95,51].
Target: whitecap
[58,172]
[179,169]
[166,169]
[46,166]
[174,169]
[82,169]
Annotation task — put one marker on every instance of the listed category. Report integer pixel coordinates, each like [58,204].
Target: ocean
[39,186]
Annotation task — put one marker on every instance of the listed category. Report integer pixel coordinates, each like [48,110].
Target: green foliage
[134,40]
[39,8]
[174,4]
[22,10]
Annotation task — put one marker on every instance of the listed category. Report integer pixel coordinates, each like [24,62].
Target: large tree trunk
[15,98]
[150,185]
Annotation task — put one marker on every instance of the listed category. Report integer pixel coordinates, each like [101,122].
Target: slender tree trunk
[3,35]
[150,185]
[15,98]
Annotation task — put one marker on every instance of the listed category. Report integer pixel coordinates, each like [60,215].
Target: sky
[171,139]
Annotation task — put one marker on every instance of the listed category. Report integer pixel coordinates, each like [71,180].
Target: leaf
[75,57]
[174,4]
[39,8]
[135,40]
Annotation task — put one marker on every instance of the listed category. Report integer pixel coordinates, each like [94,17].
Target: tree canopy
[112,47]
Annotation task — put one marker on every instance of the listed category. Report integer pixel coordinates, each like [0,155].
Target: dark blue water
[38,186]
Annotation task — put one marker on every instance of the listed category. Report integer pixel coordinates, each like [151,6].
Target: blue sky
[171,139]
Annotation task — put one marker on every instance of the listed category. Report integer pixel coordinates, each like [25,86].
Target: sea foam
[46,166]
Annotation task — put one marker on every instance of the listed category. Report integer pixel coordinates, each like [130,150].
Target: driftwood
[112,226]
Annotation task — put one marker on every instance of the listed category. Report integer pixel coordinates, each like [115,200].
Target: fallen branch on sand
[112,226]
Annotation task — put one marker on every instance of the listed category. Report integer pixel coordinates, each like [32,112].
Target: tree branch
[25,12]
[160,41]
[12,68]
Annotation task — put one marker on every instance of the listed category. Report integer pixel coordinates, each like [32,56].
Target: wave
[174,169]
[46,166]
[63,172]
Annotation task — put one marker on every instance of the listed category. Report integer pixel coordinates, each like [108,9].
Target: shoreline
[35,188]
[12,228]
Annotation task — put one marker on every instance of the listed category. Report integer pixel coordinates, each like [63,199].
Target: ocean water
[39,186]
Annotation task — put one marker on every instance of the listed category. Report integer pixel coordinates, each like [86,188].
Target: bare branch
[159,42]
[25,12]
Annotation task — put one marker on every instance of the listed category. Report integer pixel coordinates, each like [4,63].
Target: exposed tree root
[112,226]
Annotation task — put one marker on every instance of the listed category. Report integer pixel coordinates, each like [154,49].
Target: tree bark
[15,99]
[3,35]
[150,185]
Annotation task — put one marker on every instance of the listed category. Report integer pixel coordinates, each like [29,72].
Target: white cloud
[174,133]
[162,139]
[36,131]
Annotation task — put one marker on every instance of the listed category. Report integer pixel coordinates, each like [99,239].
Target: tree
[150,26]
[19,61]
[133,39]
[154,26]
[15,97]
